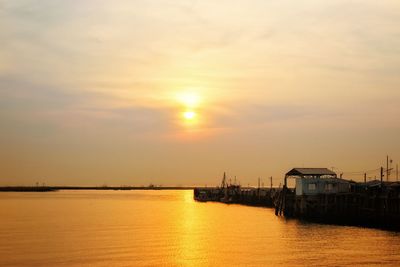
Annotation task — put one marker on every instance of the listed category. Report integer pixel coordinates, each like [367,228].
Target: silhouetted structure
[320,196]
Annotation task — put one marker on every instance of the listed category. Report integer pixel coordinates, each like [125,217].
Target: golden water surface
[168,228]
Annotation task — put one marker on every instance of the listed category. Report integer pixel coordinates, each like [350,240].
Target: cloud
[31,105]
[99,75]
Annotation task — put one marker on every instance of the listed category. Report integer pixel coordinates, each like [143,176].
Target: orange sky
[177,92]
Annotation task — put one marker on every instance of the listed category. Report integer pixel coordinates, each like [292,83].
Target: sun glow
[189,99]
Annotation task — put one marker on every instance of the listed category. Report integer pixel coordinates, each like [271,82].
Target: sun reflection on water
[168,228]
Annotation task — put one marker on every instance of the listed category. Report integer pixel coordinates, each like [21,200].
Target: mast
[223,183]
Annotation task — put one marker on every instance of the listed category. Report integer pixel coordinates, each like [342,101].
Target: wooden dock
[263,197]
[367,205]
[375,206]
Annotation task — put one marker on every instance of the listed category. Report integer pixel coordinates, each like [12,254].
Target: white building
[313,181]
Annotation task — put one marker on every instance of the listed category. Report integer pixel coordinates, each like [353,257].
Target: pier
[320,196]
[263,197]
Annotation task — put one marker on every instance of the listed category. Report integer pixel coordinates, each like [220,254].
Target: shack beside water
[314,181]
[318,195]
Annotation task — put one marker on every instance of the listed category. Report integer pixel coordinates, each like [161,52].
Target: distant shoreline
[57,188]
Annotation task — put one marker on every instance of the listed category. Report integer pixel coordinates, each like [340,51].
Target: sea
[168,228]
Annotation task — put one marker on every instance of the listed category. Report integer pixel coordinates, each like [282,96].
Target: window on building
[328,187]
[312,187]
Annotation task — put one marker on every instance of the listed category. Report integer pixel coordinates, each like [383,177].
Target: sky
[177,92]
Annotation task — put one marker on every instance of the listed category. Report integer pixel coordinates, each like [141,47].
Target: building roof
[310,172]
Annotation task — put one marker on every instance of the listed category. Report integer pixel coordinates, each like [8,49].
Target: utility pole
[397,172]
[271,181]
[365,178]
[381,175]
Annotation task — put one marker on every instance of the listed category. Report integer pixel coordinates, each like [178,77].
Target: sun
[189,108]
[189,115]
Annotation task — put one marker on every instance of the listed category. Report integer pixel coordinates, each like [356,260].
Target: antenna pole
[387,168]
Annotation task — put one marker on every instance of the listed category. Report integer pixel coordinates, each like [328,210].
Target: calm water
[167,228]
